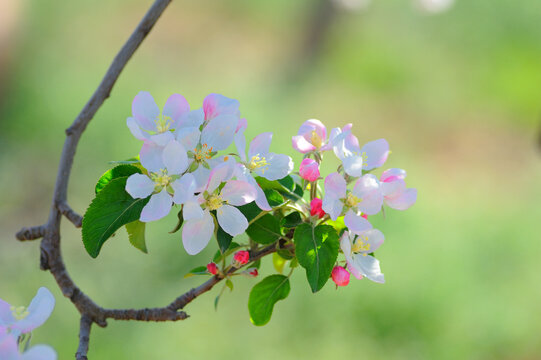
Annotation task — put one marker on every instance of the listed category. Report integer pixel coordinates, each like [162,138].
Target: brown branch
[84,338]
[31,233]
[51,257]
[71,215]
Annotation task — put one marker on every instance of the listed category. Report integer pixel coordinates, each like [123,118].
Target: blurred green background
[457,94]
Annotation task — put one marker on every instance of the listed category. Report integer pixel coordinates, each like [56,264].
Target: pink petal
[237,192]
[393,174]
[196,234]
[404,201]
[309,169]
[301,144]
[216,104]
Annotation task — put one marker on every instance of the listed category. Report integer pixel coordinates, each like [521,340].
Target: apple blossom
[199,223]
[261,162]
[162,182]
[309,169]
[340,276]
[356,247]
[22,320]
[146,122]
[312,136]
[394,191]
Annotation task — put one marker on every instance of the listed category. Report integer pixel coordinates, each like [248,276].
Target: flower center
[257,162]
[163,124]
[361,245]
[160,178]
[352,200]
[214,202]
[315,139]
[202,153]
[19,312]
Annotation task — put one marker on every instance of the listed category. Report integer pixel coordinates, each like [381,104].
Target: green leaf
[224,239]
[112,208]
[179,223]
[273,197]
[292,220]
[338,225]
[288,183]
[229,284]
[264,295]
[278,262]
[200,270]
[286,254]
[116,172]
[317,250]
[250,210]
[264,230]
[136,234]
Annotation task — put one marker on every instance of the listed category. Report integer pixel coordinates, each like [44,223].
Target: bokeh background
[457,94]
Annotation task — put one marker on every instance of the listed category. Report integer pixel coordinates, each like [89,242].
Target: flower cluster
[365,197]
[183,165]
[17,323]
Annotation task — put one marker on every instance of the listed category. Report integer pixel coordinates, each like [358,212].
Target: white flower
[356,248]
[9,350]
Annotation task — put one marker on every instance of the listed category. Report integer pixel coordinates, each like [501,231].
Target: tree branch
[31,233]
[72,216]
[84,338]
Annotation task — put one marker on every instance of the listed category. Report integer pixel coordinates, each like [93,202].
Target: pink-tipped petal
[356,223]
[301,144]
[393,188]
[175,158]
[237,192]
[139,186]
[39,310]
[260,145]
[309,169]
[158,207]
[376,153]
[231,220]
[393,174]
[175,107]
[403,201]
[216,104]
[145,110]
[196,234]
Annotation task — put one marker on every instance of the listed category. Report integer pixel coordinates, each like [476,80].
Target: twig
[84,338]
[71,215]
[31,233]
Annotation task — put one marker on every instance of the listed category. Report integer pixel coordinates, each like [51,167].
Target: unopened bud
[340,276]
[241,258]
[212,268]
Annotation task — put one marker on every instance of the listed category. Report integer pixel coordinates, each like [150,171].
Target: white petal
[39,352]
[139,186]
[201,175]
[231,220]
[240,144]
[162,139]
[184,188]
[353,165]
[368,190]
[356,223]
[332,206]
[196,234]
[192,210]
[220,174]
[151,156]
[260,145]
[238,192]
[175,158]
[335,186]
[376,153]
[369,267]
[158,207]
[135,129]
[188,137]
[175,107]
[345,243]
[145,110]
[374,238]
[8,348]
[39,310]
[404,201]
[192,119]
[220,132]
[280,166]
[6,316]
[393,188]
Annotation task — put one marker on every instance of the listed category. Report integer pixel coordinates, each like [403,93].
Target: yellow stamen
[19,312]
[161,178]
[315,139]
[352,200]
[163,124]
[257,162]
[214,202]
[203,153]
[361,245]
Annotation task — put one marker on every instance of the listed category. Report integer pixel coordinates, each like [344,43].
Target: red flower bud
[340,276]
[241,257]
[251,272]
[212,268]
[315,208]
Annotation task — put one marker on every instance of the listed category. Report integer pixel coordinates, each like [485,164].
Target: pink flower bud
[309,169]
[212,268]
[315,208]
[251,272]
[340,276]
[364,216]
[241,257]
